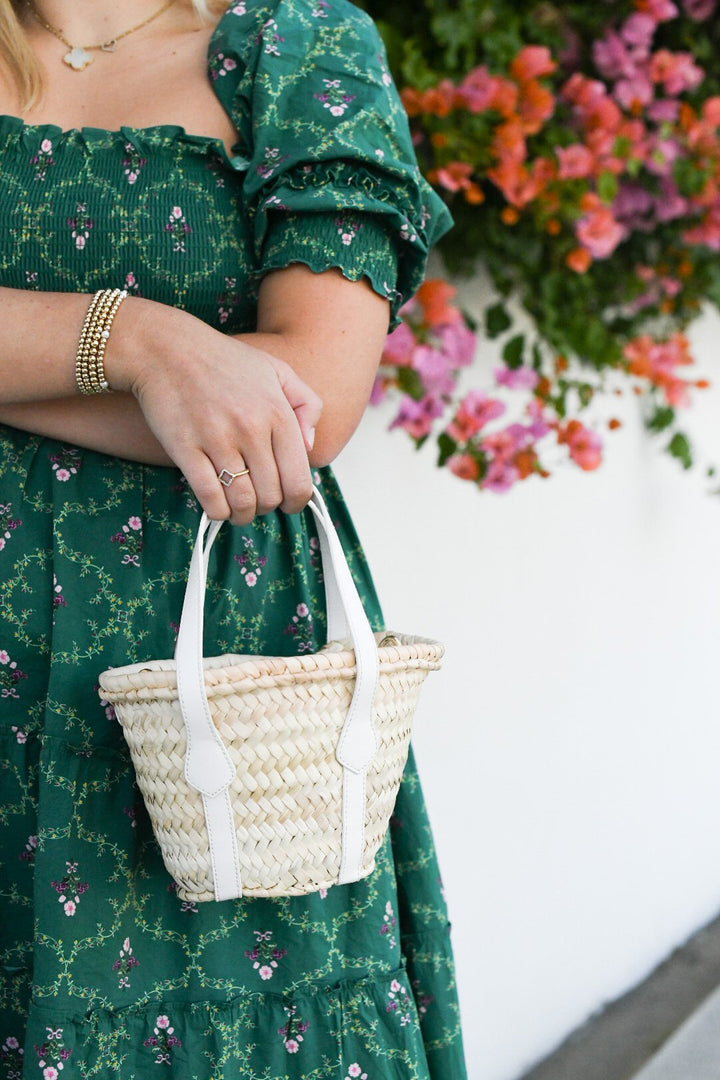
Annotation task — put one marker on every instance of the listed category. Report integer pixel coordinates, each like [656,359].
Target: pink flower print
[4,657]
[135,523]
[132,163]
[50,1073]
[265,972]
[69,907]
[30,848]
[11,1043]
[80,226]
[334,98]
[272,39]
[43,160]
[239,9]
[250,579]
[10,676]
[322,893]
[21,736]
[162,1041]
[163,1022]
[70,889]
[65,464]
[265,954]
[320,10]
[62,474]
[178,227]
[522,378]
[292,1046]
[355,1072]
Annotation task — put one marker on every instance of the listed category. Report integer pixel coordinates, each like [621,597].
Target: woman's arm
[328,329]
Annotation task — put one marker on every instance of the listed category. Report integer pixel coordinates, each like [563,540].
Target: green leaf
[679,448]
[446,448]
[410,382]
[661,419]
[514,350]
[607,186]
[497,321]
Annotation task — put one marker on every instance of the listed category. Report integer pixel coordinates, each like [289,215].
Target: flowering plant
[579,149]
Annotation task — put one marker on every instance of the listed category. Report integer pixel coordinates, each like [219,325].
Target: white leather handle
[208,767]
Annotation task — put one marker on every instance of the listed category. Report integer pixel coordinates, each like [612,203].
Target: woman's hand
[215,403]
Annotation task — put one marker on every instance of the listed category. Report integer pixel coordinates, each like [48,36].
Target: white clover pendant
[78,58]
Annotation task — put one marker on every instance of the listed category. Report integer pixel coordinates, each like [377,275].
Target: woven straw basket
[272,776]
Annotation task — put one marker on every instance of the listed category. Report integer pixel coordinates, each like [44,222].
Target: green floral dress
[103,970]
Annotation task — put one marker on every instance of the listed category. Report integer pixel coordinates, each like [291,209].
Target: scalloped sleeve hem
[352,242]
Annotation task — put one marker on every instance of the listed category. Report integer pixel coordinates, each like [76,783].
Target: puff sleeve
[332,179]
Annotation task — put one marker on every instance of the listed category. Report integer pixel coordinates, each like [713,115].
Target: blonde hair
[21,61]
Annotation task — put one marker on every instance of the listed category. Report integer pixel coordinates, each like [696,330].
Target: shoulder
[247,24]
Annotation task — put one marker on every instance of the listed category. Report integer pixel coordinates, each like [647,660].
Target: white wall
[570,748]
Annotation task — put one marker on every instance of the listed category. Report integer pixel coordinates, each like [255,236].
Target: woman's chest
[157,211]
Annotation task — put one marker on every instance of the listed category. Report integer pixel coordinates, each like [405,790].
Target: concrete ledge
[619,1041]
[693,1053]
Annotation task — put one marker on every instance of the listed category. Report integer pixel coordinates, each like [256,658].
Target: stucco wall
[570,749]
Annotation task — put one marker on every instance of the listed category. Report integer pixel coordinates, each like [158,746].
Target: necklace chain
[106,46]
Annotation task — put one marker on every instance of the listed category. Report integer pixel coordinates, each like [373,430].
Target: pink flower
[354,1069]
[475,410]
[500,477]
[612,57]
[69,907]
[4,657]
[62,474]
[251,579]
[464,466]
[639,30]
[12,1043]
[292,1046]
[634,91]
[265,972]
[585,446]
[477,90]
[229,64]
[699,10]
[522,378]
[399,346]
[676,71]
[416,417]
[162,1022]
[659,10]
[135,523]
[434,370]
[50,1073]
[576,162]
[600,232]
[458,343]
[302,610]
[176,212]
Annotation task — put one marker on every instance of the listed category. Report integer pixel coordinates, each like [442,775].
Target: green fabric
[104,972]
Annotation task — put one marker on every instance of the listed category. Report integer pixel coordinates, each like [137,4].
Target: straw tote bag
[272,776]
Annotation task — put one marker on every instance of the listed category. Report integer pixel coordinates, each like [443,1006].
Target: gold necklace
[79,56]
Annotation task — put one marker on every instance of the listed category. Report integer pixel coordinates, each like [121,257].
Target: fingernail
[311,438]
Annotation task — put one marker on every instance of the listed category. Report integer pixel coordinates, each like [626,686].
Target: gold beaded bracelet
[89,369]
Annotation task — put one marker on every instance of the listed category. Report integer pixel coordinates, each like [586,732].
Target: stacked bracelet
[89,370]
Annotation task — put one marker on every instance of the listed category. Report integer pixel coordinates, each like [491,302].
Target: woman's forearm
[109,423]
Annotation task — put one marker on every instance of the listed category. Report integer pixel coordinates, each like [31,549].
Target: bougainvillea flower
[532,62]
[475,411]
[477,90]
[522,378]
[399,346]
[465,466]
[576,162]
[416,417]
[435,298]
[600,232]
[435,371]
[676,71]
[699,10]
[500,477]
[584,446]
[659,10]
[458,342]
[579,260]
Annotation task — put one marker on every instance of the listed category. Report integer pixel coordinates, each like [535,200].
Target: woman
[247,178]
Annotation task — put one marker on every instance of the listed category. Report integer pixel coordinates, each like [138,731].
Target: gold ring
[226,477]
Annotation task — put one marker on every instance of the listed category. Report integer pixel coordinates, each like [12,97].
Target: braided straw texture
[280,719]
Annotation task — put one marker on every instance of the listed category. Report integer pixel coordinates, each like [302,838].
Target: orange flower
[454,176]
[474,194]
[553,227]
[504,97]
[464,466]
[532,62]
[537,105]
[509,215]
[509,141]
[614,424]
[525,462]
[579,260]
[412,101]
[434,296]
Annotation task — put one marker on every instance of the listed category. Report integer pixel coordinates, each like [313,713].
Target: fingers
[304,402]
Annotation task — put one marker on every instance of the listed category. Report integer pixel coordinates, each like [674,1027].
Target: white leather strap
[208,767]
